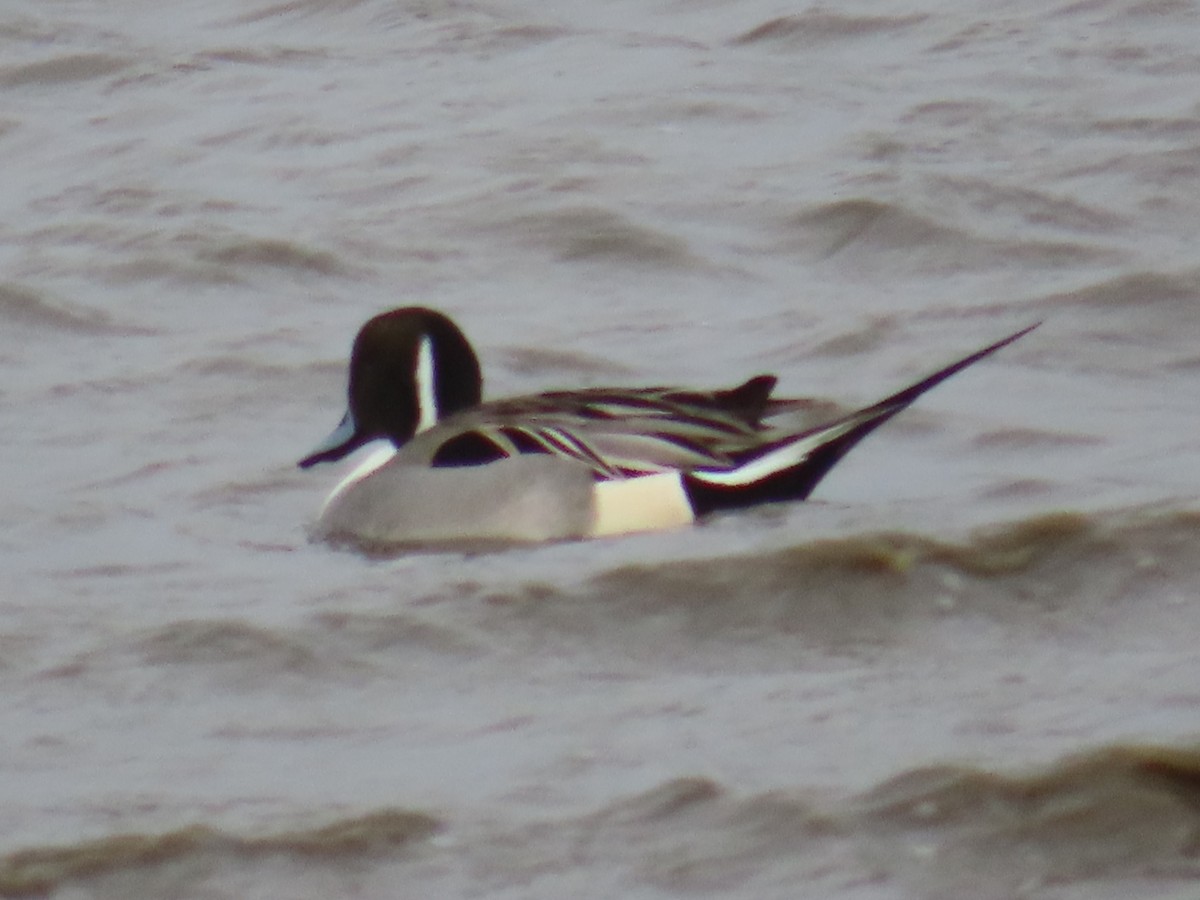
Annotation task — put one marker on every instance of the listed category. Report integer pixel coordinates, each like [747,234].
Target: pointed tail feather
[789,468]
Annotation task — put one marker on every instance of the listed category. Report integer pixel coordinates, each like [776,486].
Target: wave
[1139,321]
[1018,207]
[242,655]
[276,254]
[65,69]
[875,589]
[820,26]
[884,235]
[1117,817]
[1096,572]
[1088,575]
[21,306]
[1117,812]
[1114,813]
[1174,292]
[591,233]
[41,871]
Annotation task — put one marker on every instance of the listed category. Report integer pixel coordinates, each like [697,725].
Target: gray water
[966,668]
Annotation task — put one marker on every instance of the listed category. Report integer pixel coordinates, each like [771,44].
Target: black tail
[790,467]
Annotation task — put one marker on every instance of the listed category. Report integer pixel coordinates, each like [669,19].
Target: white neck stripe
[427,411]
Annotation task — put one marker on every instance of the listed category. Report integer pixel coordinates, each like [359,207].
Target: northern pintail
[562,464]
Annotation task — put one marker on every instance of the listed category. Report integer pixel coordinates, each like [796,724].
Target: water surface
[966,667]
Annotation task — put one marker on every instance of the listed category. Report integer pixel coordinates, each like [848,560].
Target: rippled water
[965,668]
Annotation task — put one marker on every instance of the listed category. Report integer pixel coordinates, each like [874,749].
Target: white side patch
[379,453]
[648,503]
[427,412]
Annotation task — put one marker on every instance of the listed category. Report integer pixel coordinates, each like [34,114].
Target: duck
[445,466]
